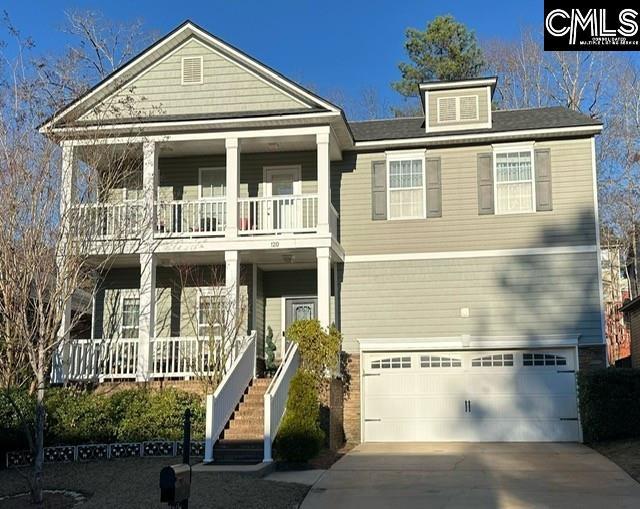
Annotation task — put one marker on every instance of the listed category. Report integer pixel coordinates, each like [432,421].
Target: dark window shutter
[485,184]
[434,188]
[543,179]
[378,190]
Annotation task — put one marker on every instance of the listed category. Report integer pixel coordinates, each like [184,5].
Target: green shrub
[300,438]
[609,404]
[77,416]
[319,348]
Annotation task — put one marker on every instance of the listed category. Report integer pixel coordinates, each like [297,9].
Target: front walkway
[464,475]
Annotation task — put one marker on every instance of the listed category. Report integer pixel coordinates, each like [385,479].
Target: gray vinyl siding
[179,176]
[176,307]
[226,88]
[571,222]
[525,296]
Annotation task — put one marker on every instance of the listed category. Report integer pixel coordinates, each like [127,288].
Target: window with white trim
[207,312]
[212,182]
[543,359]
[192,70]
[514,181]
[406,188]
[435,361]
[493,361]
[392,363]
[129,327]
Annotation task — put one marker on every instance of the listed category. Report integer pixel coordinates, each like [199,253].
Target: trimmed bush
[609,404]
[82,417]
[300,438]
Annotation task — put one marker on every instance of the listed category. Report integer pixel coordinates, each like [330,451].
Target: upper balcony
[220,188]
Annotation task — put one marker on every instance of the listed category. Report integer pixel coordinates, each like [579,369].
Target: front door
[282,183]
[299,308]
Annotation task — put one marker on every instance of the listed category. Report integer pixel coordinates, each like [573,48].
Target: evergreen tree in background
[445,50]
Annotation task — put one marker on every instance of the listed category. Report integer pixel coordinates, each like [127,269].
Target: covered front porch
[171,336]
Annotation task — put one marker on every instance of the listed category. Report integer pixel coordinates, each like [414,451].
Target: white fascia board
[459,84]
[431,140]
[463,342]
[483,253]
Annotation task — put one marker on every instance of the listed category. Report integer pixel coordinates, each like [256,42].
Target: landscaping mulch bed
[624,453]
[133,482]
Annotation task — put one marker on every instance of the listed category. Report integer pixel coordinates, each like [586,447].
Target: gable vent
[191,70]
[447,109]
[469,107]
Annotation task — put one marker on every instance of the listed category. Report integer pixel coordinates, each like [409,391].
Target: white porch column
[147,321]
[324,184]
[233,179]
[323,255]
[232,274]
[67,197]
[149,189]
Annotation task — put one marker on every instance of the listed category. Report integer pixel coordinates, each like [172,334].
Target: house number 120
[275,243]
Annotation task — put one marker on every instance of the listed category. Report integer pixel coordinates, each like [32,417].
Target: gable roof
[129,71]
[503,121]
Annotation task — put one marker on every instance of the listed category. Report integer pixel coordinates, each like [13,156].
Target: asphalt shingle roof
[506,120]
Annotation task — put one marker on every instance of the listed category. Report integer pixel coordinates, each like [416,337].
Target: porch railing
[192,218]
[276,214]
[222,403]
[98,359]
[275,399]
[109,220]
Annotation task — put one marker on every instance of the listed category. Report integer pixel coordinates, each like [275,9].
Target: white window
[192,73]
[406,196]
[543,359]
[435,361]
[514,181]
[392,363]
[212,182]
[457,109]
[493,361]
[208,316]
[130,317]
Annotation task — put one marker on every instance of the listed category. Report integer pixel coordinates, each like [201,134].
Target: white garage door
[492,396]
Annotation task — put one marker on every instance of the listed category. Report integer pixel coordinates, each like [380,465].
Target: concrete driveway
[461,475]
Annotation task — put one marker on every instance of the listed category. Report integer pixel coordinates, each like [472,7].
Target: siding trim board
[598,248]
[487,253]
[465,342]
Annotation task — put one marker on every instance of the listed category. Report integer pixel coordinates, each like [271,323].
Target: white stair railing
[275,399]
[222,403]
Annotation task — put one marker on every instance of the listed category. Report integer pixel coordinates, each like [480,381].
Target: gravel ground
[134,483]
[624,453]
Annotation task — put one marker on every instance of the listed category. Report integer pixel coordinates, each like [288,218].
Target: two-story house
[456,251]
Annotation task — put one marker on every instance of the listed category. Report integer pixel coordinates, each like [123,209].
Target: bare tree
[217,317]
[51,246]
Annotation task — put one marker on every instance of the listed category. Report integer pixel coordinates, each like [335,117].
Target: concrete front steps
[242,441]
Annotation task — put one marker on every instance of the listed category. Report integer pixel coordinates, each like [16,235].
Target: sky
[329,45]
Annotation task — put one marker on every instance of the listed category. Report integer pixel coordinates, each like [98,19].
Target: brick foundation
[351,409]
[592,357]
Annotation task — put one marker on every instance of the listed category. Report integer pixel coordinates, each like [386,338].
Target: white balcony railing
[222,403]
[171,357]
[99,359]
[275,399]
[98,221]
[181,218]
[278,214]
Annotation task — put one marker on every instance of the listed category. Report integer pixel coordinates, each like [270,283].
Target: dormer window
[457,105]
[457,109]
[192,71]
